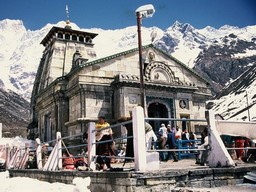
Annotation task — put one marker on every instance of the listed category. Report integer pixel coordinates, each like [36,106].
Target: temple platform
[171,175]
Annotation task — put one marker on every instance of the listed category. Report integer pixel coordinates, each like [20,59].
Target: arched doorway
[157,110]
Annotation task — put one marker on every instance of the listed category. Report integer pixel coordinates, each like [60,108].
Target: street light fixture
[142,12]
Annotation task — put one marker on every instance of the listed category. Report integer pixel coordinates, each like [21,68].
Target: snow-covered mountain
[221,55]
[14,113]
[20,49]
[20,54]
[237,100]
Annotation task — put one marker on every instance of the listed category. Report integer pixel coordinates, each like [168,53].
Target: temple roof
[66,30]
[136,49]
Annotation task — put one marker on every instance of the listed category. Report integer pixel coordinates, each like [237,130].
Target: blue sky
[117,14]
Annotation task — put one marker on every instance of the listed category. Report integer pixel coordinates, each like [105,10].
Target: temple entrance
[157,110]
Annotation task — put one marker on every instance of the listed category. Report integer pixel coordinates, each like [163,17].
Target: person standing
[170,142]
[149,136]
[129,152]
[239,142]
[177,133]
[192,143]
[45,153]
[184,140]
[202,158]
[163,132]
[104,133]
[163,137]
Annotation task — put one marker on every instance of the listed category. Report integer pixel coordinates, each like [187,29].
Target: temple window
[81,38]
[67,36]
[88,39]
[60,36]
[74,37]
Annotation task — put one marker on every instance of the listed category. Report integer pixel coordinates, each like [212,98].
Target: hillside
[237,100]
[14,113]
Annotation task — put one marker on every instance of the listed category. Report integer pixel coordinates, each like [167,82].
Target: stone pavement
[189,164]
[181,164]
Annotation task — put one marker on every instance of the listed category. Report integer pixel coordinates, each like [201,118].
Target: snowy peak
[184,42]
[7,24]
[175,26]
[20,53]
[181,27]
[246,33]
[228,28]
[209,29]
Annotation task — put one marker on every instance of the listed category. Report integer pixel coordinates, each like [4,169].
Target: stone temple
[74,87]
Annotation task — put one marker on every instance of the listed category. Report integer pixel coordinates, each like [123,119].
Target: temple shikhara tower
[73,86]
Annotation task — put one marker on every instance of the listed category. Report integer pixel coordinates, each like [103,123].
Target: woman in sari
[104,150]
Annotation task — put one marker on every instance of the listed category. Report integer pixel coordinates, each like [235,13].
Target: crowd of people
[171,137]
[238,143]
[166,139]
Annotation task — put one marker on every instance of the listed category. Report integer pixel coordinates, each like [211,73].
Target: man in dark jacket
[170,142]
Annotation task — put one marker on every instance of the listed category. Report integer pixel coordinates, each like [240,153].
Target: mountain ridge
[220,55]
[182,41]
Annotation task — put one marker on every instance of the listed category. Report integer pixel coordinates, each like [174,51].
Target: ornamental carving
[160,72]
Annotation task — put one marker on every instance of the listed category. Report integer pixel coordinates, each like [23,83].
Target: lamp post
[249,118]
[142,12]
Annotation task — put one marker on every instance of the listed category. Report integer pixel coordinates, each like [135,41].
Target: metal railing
[17,159]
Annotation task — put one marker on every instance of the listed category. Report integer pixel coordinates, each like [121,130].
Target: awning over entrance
[236,128]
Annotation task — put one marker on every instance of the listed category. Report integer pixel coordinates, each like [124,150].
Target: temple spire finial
[67,20]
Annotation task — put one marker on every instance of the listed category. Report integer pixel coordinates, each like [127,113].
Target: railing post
[91,145]
[59,156]
[24,158]
[39,154]
[14,158]
[139,140]
[218,154]
[53,162]
[8,155]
